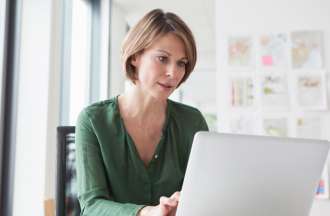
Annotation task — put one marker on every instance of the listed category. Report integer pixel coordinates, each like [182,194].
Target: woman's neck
[141,107]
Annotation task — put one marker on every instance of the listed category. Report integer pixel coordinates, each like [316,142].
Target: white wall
[31,132]
[53,119]
[264,16]
[257,16]
[200,89]
[104,49]
[118,31]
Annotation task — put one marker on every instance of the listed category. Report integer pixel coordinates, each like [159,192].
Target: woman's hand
[167,207]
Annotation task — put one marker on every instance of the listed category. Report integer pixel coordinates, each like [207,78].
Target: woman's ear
[135,60]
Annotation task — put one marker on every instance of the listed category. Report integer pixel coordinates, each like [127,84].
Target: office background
[57,56]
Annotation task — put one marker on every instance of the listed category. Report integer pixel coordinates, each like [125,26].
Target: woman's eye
[182,64]
[162,59]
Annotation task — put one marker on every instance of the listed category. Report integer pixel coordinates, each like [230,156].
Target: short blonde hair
[152,26]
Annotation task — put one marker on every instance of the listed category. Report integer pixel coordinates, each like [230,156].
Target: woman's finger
[173,212]
[176,196]
[168,201]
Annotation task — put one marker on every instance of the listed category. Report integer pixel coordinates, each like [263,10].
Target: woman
[132,150]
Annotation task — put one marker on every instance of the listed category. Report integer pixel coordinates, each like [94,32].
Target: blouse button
[156,156]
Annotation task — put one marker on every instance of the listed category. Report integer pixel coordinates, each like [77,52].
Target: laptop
[247,175]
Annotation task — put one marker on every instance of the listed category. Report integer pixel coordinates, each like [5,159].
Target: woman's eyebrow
[160,50]
[164,51]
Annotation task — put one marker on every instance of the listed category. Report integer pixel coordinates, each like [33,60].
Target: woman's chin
[161,95]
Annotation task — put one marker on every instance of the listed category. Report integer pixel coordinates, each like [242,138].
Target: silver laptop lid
[245,175]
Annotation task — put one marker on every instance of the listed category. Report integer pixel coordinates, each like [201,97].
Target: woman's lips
[167,86]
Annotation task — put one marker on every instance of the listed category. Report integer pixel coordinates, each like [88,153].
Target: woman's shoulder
[100,108]
[187,116]
[180,107]
[184,111]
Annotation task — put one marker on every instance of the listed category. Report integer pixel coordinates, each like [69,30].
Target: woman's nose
[172,70]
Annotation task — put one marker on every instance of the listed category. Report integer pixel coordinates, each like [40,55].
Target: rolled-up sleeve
[93,187]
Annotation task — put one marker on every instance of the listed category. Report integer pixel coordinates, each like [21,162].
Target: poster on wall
[273,51]
[244,123]
[242,92]
[307,50]
[275,126]
[274,92]
[240,52]
[311,91]
[309,127]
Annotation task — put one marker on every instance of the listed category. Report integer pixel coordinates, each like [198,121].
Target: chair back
[66,198]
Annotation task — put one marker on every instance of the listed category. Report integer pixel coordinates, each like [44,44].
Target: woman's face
[161,67]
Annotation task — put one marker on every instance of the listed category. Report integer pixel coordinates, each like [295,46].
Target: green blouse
[112,179]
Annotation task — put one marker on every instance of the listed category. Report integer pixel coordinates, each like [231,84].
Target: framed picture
[309,126]
[244,123]
[311,91]
[307,50]
[242,92]
[275,126]
[240,52]
[273,51]
[274,92]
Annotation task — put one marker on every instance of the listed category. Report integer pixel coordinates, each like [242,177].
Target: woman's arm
[93,193]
